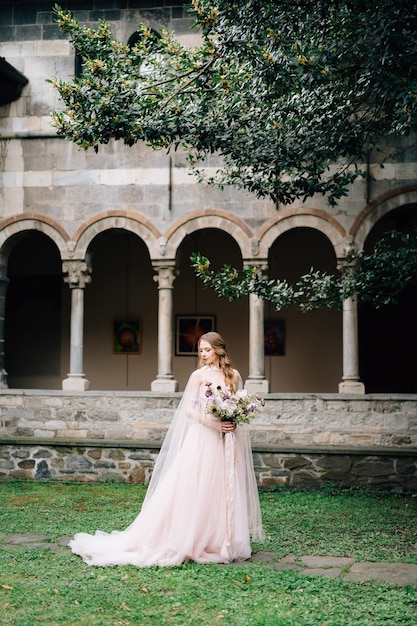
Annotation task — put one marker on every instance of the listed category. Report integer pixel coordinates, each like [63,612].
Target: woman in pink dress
[202,502]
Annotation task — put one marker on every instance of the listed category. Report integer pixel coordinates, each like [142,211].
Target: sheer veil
[173,441]
[202,500]
[188,411]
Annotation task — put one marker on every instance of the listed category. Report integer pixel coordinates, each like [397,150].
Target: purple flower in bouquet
[239,407]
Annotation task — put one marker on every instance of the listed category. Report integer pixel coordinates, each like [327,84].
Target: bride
[202,502]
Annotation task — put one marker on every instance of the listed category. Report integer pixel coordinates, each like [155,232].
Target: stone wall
[46,461]
[298,440]
[382,470]
[380,420]
[301,468]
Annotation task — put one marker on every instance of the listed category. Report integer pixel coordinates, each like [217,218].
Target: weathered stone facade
[65,212]
[88,239]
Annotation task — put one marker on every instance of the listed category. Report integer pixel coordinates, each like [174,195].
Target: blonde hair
[225,362]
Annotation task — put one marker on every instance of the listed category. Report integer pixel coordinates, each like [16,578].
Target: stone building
[97,292]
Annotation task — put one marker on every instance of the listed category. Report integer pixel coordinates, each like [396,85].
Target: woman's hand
[228,427]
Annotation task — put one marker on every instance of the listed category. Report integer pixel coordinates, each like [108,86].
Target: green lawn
[38,586]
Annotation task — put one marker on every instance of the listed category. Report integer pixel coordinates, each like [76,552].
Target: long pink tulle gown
[202,501]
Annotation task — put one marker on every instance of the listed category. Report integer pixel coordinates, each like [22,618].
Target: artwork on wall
[189,329]
[274,338]
[127,337]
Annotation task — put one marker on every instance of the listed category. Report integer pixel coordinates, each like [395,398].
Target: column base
[75,382]
[351,386]
[256,385]
[164,384]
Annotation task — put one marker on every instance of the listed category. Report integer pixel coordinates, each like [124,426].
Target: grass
[38,586]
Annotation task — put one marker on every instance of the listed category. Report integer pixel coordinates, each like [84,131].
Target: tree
[376,277]
[293,95]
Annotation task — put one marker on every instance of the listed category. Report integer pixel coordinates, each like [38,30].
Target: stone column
[4,281]
[165,278]
[78,275]
[256,380]
[350,379]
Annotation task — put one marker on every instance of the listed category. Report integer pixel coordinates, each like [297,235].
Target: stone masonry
[298,440]
[384,470]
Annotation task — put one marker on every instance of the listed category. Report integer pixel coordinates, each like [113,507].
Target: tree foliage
[376,277]
[292,94]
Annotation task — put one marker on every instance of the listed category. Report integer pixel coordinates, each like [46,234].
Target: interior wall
[190,297]
[313,341]
[122,289]
[388,336]
[34,332]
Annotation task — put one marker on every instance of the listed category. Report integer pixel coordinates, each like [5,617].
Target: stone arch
[19,225]
[379,207]
[221,220]
[131,18]
[131,222]
[307,218]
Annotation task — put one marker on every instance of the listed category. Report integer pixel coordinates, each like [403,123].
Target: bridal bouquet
[238,407]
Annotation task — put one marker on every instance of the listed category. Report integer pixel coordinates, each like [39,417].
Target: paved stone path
[332,566]
[344,567]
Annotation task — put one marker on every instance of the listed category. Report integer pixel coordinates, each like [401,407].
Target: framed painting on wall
[188,330]
[274,338]
[127,337]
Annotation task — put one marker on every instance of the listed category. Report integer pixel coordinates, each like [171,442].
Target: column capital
[260,264]
[77,274]
[166,273]
[349,247]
